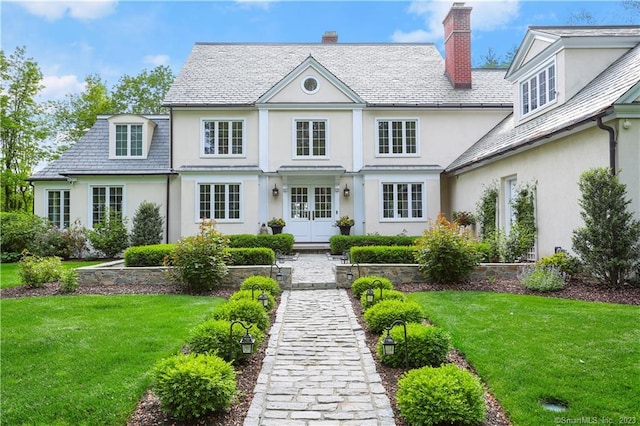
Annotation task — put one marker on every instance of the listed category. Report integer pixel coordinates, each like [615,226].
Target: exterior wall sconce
[389,345]
[626,124]
[350,272]
[247,341]
[346,191]
[275,191]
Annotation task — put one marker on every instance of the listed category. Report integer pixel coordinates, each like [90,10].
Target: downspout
[166,215]
[612,144]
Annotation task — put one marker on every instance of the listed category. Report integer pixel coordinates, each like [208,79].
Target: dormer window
[128,140]
[539,90]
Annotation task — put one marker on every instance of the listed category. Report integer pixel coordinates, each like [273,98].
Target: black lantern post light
[263,298]
[369,295]
[279,274]
[350,272]
[247,341]
[389,345]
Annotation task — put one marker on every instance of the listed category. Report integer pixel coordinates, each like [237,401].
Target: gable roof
[90,155]
[394,74]
[594,100]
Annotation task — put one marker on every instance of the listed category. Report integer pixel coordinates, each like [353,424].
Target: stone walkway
[318,369]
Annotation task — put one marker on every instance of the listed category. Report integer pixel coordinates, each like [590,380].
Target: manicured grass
[84,360]
[527,348]
[9,271]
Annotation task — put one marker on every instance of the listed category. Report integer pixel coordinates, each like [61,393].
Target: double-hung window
[128,140]
[311,138]
[397,137]
[538,90]
[106,200]
[402,201]
[220,201]
[58,204]
[223,138]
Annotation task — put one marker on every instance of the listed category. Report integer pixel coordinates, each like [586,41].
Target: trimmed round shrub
[247,295]
[426,344]
[261,283]
[362,284]
[383,314]
[247,311]
[212,337]
[386,295]
[193,385]
[441,395]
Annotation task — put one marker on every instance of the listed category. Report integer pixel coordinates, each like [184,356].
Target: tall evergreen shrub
[147,225]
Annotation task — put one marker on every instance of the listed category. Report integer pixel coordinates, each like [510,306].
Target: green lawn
[9,271]
[527,348]
[84,360]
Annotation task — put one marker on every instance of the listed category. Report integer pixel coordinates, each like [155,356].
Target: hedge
[152,255]
[342,243]
[251,256]
[383,254]
[282,243]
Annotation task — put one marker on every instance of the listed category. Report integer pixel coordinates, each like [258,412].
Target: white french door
[311,213]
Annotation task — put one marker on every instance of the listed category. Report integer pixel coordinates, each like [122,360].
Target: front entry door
[311,213]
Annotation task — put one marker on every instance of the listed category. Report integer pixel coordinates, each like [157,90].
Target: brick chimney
[457,46]
[330,37]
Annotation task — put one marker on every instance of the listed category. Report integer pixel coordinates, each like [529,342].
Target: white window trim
[105,185]
[304,89]
[510,189]
[294,143]
[229,120]
[115,146]
[62,211]
[396,218]
[527,79]
[391,154]
[199,183]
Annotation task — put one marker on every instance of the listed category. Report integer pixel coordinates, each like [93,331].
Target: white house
[389,134]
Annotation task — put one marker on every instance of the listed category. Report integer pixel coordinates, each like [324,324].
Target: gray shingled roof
[381,74]
[594,99]
[589,31]
[90,155]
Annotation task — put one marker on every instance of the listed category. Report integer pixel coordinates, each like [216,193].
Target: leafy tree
[143,93]
[22,128]
[147,225]
[492,60]
[609,241]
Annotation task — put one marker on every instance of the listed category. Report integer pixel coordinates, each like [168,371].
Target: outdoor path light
[350,272]
[370,296]
[389,345]
[263,298]
[247,341]
[279,274]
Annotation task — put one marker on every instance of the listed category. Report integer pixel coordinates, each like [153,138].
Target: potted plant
[276,224]
[345,223]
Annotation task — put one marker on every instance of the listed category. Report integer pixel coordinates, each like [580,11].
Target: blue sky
[70,40]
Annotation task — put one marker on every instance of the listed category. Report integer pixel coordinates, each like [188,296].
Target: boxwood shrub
[247,311]
[427,345]
[386,295]
[282,243]
[193,385]
[383,254]
[441,395]
[383,314]
[262,283]
[342,243]
[212,337]
[362,284]
[153,255]
[251,256]
[253,295]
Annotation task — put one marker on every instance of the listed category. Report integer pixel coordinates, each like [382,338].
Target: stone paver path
[318,369]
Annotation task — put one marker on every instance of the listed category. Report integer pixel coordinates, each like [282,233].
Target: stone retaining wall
[114,273]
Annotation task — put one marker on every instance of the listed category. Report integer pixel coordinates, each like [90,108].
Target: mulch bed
[149,412]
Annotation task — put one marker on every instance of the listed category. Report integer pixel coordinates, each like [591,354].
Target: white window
[538,90]
[106,199]
[223,138]
[311,138]
[128,140]
[397,137]
[220,201]
[58,204]
[402,201]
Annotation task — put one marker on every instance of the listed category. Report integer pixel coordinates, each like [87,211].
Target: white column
[263,163]
[357,192]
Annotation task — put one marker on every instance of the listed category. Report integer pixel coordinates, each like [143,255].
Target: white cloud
[256,4]
[487,15]
[80,9]
[156,60]
[56,87]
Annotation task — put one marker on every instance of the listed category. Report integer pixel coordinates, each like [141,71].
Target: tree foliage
[22,128]
[147,225]
[609,242]
[143,93]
